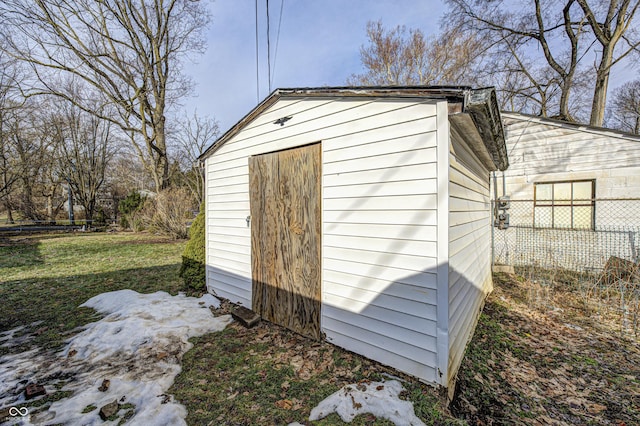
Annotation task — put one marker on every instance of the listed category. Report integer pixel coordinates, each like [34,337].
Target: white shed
[361,216]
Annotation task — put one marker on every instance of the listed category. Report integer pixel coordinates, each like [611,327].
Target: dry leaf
[284,404]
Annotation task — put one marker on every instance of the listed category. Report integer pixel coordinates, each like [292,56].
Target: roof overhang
[473,113]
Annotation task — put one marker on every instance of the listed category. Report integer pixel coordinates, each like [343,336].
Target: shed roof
[473,113]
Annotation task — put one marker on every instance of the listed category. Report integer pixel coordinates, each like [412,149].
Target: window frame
[562,203]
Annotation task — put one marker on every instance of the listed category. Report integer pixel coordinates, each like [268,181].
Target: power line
[275,55]
[257,58]
[268,48]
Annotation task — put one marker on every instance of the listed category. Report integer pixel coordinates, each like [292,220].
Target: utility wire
[268,48]
[275,55]
[257,59]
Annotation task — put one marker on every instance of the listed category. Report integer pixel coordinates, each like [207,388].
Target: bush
[193,258]
[128,208]
[167,213]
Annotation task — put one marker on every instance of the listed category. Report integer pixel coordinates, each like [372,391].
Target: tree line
[551,58]
[90,90]
[86,91]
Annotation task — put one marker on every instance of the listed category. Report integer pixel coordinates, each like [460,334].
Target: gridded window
[565,204]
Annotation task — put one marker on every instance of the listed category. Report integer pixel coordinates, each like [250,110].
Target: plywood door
[285,237]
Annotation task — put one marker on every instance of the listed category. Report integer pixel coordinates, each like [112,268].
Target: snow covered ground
[378,398]
[138,347]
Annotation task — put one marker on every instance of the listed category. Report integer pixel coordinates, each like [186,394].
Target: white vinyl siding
[379,220]
[469,248]
[379,285]
[548,151]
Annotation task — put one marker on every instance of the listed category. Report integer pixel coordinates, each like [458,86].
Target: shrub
[167,213]
[192,270]
[128,208]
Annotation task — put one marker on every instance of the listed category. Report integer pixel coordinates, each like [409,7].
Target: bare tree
[554,28]
[129,51]
[611,23]
[566,32]
[9,102]
[31,153]
[195,134]
[406,57]
[84,153]
[625,107]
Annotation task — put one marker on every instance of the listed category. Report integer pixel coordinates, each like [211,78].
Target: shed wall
[379,288]
[469,247]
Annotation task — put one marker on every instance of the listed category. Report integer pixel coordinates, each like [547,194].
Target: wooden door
[285,237]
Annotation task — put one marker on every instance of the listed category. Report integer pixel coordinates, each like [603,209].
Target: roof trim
[604,131]
[481,104]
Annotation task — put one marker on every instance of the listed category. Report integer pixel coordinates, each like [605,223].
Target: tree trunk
[600,90]
[7,205]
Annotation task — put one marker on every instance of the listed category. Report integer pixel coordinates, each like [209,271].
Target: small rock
[105,385]
[244,316]
[72,353]
[109,410]
[32,390]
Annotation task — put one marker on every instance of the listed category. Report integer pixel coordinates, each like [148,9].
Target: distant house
[563,167]
[565,176]
[360,215]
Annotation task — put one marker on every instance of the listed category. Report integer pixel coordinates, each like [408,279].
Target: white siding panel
[227,198]
[378,175]
[383,245]
[469,248]
[398,289]
[401,202]
[231,205]
[386,140]
[359,116]
[364,329]
[338,164]
[414,187]
[357,300]
[217,232]
[417,367]
[400,261]
[537,146]
[228,189]
[422,279]
[391,231]
[418,217]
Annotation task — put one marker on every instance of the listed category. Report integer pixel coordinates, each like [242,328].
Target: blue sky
[319,45]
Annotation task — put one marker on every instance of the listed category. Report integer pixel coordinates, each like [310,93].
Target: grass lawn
[555,363]
[44,277]
[266,375]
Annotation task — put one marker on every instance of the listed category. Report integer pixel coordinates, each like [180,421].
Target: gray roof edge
[483,107]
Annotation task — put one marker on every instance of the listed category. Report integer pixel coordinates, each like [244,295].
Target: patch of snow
[378,398]
[138,346]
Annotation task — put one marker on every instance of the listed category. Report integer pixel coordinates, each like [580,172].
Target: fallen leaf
[596,408]
[284,404]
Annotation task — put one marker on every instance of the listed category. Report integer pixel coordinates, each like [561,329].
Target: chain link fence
[591,245]
[580,237]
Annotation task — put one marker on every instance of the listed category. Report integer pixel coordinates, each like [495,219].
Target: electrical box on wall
[501,220]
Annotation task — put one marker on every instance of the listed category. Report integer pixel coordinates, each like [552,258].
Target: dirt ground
[552,363]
